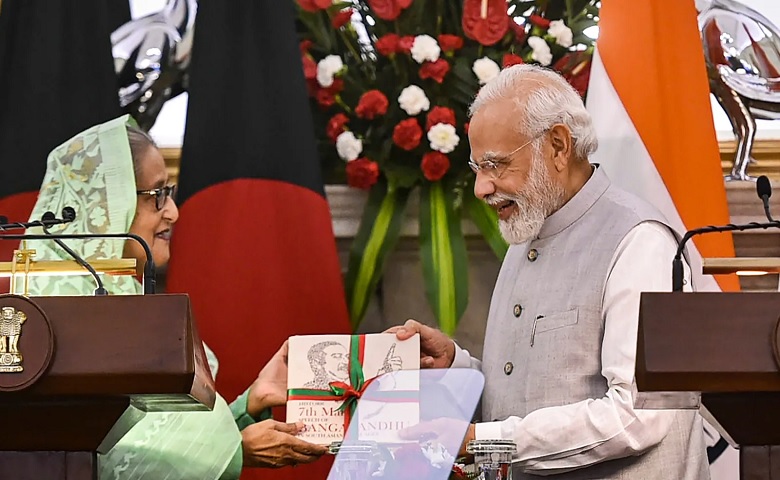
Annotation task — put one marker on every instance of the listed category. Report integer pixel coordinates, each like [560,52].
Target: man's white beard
[539,198]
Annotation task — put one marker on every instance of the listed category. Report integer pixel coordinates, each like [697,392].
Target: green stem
[343,105]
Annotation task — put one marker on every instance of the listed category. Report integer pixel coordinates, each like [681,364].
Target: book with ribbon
[329,374]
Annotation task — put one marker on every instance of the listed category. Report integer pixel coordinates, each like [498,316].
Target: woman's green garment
[93,173]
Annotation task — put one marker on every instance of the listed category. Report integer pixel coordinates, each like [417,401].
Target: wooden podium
[84,360]
[726,346]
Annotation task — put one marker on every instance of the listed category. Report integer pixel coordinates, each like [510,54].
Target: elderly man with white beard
[561,338]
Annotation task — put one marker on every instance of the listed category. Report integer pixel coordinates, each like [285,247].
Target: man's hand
[270,387]
[446,431]
[272,444]
[437,350]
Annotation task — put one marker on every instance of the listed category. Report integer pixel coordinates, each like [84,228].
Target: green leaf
[443,254]
[486,220]
[379,229]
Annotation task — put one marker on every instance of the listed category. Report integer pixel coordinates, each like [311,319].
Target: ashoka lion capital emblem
[11,322]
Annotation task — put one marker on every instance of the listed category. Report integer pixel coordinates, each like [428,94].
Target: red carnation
[341,18]
[305,45]
[388,9]
[435,70]
[335,126]
[512,59]
[435,165]
[314,5]
[539,21]
[450,43]
[326,97]
[407,134]
[387,44]
[440,115]
[518,30]
[405,43]
[309,67]
[371,104]
[492,27]
[362,173]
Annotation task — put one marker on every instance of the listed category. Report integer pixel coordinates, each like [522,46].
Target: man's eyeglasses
[496,167]
[160,195]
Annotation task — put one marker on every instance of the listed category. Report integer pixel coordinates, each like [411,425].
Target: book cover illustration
[327,375]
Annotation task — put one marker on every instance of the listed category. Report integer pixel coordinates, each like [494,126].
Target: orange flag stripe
[652,53]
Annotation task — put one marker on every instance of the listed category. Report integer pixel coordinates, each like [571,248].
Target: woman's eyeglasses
[160,194]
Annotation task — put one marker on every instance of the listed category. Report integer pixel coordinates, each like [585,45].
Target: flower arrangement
[390,83]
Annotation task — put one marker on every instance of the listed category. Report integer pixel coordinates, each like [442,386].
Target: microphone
[48,216]
[68,215]
[149,281]
[764,191]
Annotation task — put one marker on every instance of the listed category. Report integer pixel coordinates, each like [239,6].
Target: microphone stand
[149,281]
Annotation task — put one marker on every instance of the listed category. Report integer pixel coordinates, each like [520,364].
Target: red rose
[450,43]
[387,44]
[435,70]
[407,134]
[362,173]
[314,5]
[341,18]
[440,115]
[490,29]
[512,59]
[539,21]
[435,165]
[466,128]
[372,103]
[388,9]
[335,126]
[305,45]
[405,44]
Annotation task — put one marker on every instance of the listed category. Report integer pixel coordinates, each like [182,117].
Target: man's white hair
[543,98]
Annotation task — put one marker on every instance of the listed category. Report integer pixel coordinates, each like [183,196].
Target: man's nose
[483,186]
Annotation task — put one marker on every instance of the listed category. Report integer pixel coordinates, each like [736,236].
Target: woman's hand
[272,444]
[270,387]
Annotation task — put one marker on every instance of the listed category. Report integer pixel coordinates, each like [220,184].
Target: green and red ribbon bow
[348,394]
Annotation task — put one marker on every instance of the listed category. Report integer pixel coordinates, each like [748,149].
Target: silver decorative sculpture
[151,56]
[742,52]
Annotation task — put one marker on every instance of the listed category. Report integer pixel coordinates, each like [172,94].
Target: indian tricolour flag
[649,99]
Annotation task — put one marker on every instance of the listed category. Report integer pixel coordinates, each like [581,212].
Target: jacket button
[517,310]
[508,367]
[533,255]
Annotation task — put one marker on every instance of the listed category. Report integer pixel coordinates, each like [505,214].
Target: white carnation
[348,146]
[541,51]
[561,32]
[443,137]
[327,68]
[413,100]
[425,48]
[485,69]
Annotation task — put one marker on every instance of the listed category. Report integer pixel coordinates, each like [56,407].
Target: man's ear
[562,145]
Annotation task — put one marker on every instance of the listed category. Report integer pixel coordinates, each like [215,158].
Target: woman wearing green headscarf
[115,178]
